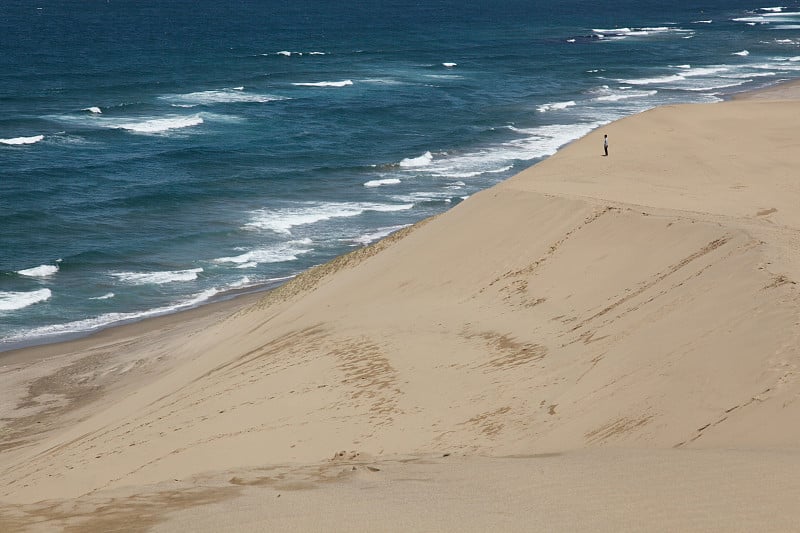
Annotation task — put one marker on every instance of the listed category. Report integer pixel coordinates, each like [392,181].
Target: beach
[597,343]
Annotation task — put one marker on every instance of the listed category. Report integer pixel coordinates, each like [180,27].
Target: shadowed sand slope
[645,301]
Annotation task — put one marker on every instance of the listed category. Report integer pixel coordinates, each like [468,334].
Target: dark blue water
[158,155]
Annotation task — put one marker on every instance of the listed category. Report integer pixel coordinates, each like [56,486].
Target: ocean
[157,156]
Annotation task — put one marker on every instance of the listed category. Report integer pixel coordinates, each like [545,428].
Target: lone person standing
[605,144]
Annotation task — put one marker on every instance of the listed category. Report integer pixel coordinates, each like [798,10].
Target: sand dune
[598,343]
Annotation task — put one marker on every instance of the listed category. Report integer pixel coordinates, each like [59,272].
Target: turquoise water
[156,156]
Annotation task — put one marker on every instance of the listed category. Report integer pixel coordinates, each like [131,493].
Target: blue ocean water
[157,155]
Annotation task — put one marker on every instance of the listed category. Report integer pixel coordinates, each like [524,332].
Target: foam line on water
[14,300]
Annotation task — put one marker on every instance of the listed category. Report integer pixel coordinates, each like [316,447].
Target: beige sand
[599,343]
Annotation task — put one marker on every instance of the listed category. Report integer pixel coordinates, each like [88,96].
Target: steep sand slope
[642,301]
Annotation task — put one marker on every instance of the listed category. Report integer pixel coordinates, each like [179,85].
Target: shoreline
[13,351]
[633,315]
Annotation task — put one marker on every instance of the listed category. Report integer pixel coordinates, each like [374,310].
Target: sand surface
[599,344]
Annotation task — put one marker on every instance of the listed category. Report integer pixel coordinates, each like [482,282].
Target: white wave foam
[769,18]
[546,140]
[678,77]
[606,94]
[41,271]
[221,96]
[625,96]
[743,53]
[15,141]
[103,321]
[287,251]
[377,235]
[282,220]
[12,301]
[772,9]
[702,22]
[718,85]
[287,53]
[450,65]
[414,162]
[94,109]
[157,278]
[381,182]
[344,83]
[623,33]
[106,296]
[555,106]
[499,158]
[424,196]
[160,125]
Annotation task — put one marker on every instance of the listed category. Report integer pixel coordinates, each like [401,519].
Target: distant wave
[11,301]
[287,53]
[94,109]
[344,83]
[685,73]
[22,140]
[555,106]
[106,296]
[221,96]
[606,94]
[381,182]
[103,321]
[288,251]
[743,53]
[160,125]
[41,271]
[157,278]
[769,17]
[449,65]
[623,33]
[282,220]
[414,162]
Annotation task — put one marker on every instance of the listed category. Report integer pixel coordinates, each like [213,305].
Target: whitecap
[344,83]
[449,65]
[94,109]
[743,53]
[717,85]
[41,271]
[282,220]
[555,106]
[157,278]
[627,95]
[12,301]
[106,296]
[381,182]
[16,141]
[414,162]
[159,125]
[220,96]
